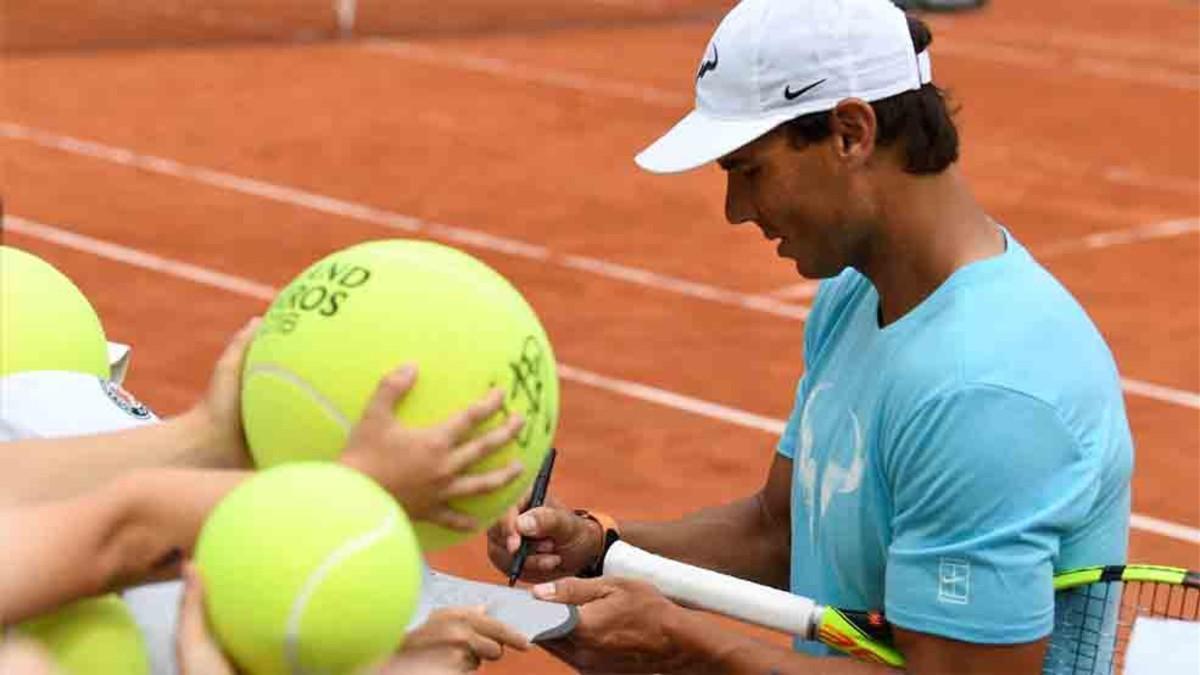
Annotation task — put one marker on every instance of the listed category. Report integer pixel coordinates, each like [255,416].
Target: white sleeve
[118,361]
[56,404]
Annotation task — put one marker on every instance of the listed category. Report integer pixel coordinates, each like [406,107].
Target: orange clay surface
[1078,119]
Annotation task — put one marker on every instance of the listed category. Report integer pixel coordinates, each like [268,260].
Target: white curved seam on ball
[291,642]
[323,403]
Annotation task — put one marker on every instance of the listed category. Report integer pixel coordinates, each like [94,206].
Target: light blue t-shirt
[948,464]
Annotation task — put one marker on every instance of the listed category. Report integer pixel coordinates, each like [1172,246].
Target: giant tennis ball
[308,568]
[96,636]
[358,314]
[46,323]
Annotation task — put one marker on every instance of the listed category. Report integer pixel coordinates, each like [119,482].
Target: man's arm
[760,524]
[626,623]
[568,543]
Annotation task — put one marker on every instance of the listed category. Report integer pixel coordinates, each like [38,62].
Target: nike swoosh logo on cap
[709,65]
[792,95]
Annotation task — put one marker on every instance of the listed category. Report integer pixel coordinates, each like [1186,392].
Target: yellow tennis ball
[356,315]
[96,636]
[46,323]
[308,568]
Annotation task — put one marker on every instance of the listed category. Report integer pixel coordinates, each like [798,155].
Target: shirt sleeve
[54,404]
[985,481]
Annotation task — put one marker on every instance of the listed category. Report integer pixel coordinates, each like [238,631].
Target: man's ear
[853,125]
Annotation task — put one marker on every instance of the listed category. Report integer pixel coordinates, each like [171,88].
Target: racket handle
[715,592]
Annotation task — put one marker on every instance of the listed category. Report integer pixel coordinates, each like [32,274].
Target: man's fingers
[572,591]
[483,483]
[389,391]
[546,523]
[499,554]
[461,424]
[486,444]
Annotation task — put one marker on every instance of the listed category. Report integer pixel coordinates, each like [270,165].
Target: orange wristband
[610,534]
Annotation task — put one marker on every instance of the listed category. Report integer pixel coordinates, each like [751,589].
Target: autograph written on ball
[527,393]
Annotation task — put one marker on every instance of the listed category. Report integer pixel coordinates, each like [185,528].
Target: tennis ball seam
[278,371]
[291,644]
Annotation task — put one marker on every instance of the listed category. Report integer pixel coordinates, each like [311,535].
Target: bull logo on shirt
[839,470]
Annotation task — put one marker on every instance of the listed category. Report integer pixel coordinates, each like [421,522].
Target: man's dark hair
[920,119]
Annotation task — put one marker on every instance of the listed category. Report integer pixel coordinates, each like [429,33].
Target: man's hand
[456,640]
[624,627]
[565,543]
[427,468]
[217,418]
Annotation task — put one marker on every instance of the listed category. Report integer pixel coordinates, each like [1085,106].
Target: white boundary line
[563,79]
[1131,235]
[1158,392]
[1032,59]
[462,235]
[680,101]
[1059,37]
[402,222]
[1164,528]
[345,13]
[253,289]
[1097,240]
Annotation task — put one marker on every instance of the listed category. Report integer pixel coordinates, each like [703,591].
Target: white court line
[636,390]
[346,13]
[680,101]
[1097,240]
[972,48]
[515,71]
[1164,528]
[1097,44]
[465,236]
[1033,59]
[803,290]
[404,223]
[1186,399]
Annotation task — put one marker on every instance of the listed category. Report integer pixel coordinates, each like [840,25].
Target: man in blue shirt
[959,434]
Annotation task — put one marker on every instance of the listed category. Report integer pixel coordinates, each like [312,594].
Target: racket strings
[1093,623]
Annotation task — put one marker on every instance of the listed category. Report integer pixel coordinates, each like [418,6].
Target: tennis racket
[1094,613]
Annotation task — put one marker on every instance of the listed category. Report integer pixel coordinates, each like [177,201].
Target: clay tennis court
[181,162]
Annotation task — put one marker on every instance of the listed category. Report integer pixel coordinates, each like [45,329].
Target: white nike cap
[771,61]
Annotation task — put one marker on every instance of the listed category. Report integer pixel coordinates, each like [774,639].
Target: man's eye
[751,171]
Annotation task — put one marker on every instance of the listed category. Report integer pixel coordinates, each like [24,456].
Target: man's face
[798,196]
